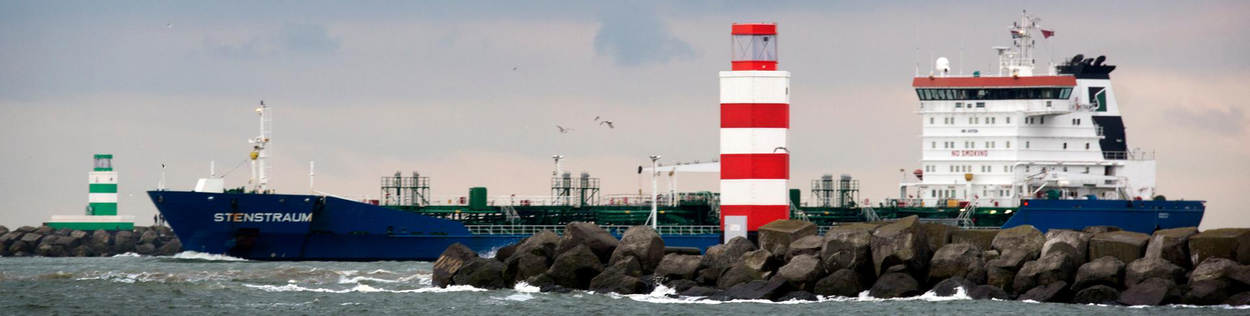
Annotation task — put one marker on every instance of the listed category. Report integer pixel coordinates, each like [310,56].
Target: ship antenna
[260,169]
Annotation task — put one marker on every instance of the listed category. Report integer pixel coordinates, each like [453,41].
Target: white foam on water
[128,254]
[357,279]
[360,288]
[194,255]
[1031,302]
[523,287]
[518,297]
[665,295]
[489,254]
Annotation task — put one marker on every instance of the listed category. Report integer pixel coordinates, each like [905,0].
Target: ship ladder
[510,213]
[798,214]
[964,219]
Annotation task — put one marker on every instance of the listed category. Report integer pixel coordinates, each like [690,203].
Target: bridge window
[1065,145]
[929,94]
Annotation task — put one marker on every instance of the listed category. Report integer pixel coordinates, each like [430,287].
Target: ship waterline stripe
[755,166]
[752,140]
[738,115]
[102,197]
[754,192]
[102,188]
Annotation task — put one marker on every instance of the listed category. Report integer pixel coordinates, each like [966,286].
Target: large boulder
[844,282]
[958,260]
[849,247]
[678,267]
[170,248]
[146,249]
[598,240]
[78,234]
[1172,245]
[525,265]
[67,241]
[542,243]
[124,241]
[481,273]
[1055,292]
[802,271]
[20,248]
[1100,229]
[1153,291]
[1124,245]
[3,230]
[937,235]
[1146,268]
[809,245]
[891,285]
[8,237]
[951,286]
[47,249]
[1000,277]
[503,253]
[982,238]
[643,243]
[777,235]
[1018,245]
[1239,299]
[621,277]
[702,291]
[1228,243]
[1206,292]
[759,290]
[574,268]
[45,230]
[1074,240]
[149,236]
[754,265]
[32,238]
[1098,294]
[720,258]
[680,285]
[797,296]
[1214,268]
[448,263]
[1107,271]
[900,243]
[1048,269]
[985,292]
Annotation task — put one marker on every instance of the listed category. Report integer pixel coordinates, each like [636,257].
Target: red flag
[1047,33]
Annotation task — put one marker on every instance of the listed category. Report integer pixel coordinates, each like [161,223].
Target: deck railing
[615,229]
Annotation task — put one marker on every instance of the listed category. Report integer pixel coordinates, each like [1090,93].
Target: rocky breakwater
[901,258]
[48,242]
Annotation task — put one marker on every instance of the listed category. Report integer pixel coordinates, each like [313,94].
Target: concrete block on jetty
[1100,265]
[48,242]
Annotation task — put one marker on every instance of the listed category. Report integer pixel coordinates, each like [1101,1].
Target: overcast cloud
[469,93]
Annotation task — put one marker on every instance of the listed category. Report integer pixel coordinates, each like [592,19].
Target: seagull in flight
[514,68]
[564,130]
[607,122]
[781,148]
[596,118]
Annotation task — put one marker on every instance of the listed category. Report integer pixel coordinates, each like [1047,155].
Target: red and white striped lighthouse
[755,123]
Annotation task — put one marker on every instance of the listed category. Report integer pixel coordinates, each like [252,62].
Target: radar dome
[943,65]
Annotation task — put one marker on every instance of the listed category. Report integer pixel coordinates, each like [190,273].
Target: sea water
[195,283]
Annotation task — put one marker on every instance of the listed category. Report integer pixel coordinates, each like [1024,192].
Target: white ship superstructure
[993,140]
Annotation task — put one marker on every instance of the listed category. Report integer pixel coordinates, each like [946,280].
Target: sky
[469,92]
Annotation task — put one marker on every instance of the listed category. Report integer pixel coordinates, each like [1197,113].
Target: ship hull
[1137,216]
[308,227]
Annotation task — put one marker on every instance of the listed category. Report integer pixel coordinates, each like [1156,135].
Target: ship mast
[1018,60]
[258,156]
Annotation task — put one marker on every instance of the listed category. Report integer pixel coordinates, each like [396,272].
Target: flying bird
[607,122]
[781,148]
[169,25]
[564,130]
[513,68]
[596,118]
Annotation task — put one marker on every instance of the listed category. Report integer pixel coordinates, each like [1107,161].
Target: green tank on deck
[477,198]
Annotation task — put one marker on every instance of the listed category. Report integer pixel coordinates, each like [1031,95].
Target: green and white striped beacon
[102,187]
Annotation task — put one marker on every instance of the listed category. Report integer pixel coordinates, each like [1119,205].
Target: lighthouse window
[1086,146]
[1041,120]
[934,145]
[930,121]
[1026,144]
[1008,120]
[1008,145]
[1065,145]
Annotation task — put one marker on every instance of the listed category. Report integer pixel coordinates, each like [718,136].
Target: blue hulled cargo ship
[1015,148]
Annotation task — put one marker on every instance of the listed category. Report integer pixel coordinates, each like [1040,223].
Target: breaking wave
[193,255]
[361,288]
